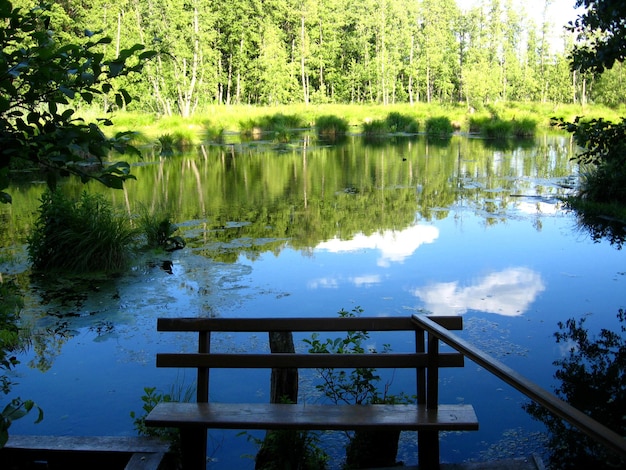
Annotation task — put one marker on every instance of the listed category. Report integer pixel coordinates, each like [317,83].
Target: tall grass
[398,122]
[439,126]
[79,236]
[331,127]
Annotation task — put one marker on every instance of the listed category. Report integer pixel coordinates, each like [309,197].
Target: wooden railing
[560,408]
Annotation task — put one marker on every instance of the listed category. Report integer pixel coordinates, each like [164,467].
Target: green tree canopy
[41,80]
[601,32]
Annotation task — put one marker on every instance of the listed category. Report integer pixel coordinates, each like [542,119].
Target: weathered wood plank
[306,361]
[145,461]
[121,444]
[301,324]
[321,417]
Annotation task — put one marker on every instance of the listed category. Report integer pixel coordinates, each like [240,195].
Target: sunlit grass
[211,122]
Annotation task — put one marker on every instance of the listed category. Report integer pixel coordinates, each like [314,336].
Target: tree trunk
[284,384]
[283,389]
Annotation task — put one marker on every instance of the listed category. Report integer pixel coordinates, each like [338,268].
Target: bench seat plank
[310,417]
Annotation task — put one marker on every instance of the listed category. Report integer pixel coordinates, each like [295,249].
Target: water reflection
[509,292]
[395,246]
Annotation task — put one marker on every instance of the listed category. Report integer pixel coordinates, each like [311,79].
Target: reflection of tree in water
[603,228]
[47,344]
[67,305]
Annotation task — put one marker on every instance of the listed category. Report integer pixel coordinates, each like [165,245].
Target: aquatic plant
[398,122]
[331,127]
[79,236]
[375,128]
[157,227]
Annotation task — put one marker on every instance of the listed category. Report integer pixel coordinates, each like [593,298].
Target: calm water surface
[304,229]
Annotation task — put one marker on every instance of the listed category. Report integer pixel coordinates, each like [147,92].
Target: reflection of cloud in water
[395,246]
[507,292]
[539,207]
[333,283]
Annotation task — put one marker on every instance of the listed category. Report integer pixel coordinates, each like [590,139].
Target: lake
[396,226]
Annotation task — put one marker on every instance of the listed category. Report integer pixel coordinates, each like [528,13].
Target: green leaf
[88,97]
[147,55]
[67,92]
[115,68]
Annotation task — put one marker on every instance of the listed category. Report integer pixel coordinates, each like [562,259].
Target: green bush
[439,126]
[604,158]
[82,236]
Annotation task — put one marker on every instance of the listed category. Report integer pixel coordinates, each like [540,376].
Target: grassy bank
[503,120]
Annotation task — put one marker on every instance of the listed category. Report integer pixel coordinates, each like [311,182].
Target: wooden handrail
[562,409]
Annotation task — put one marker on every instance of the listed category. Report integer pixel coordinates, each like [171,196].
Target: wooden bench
[92,452]
[427,416]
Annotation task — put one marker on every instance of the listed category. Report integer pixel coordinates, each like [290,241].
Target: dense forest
[270,52]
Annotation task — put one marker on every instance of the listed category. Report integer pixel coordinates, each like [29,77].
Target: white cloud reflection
[333,283]
[395,246]
[509,292]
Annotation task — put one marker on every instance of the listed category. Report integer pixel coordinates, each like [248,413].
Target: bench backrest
[426,363]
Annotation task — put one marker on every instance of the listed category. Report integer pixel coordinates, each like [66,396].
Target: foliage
[592,379]
[81,236]
[601,34]
[603,141]
[359,386]
[604,155]
[40,80]
[11,303]
[152,398]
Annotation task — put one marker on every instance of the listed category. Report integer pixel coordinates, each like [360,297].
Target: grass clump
[440,126]
[376,128]
[79,236]
[398,122]
[158,228]
[524,127]
[331,127]
[175,142]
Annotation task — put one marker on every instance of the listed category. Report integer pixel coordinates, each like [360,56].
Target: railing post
[420,347]
[202,387]
[428,393]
